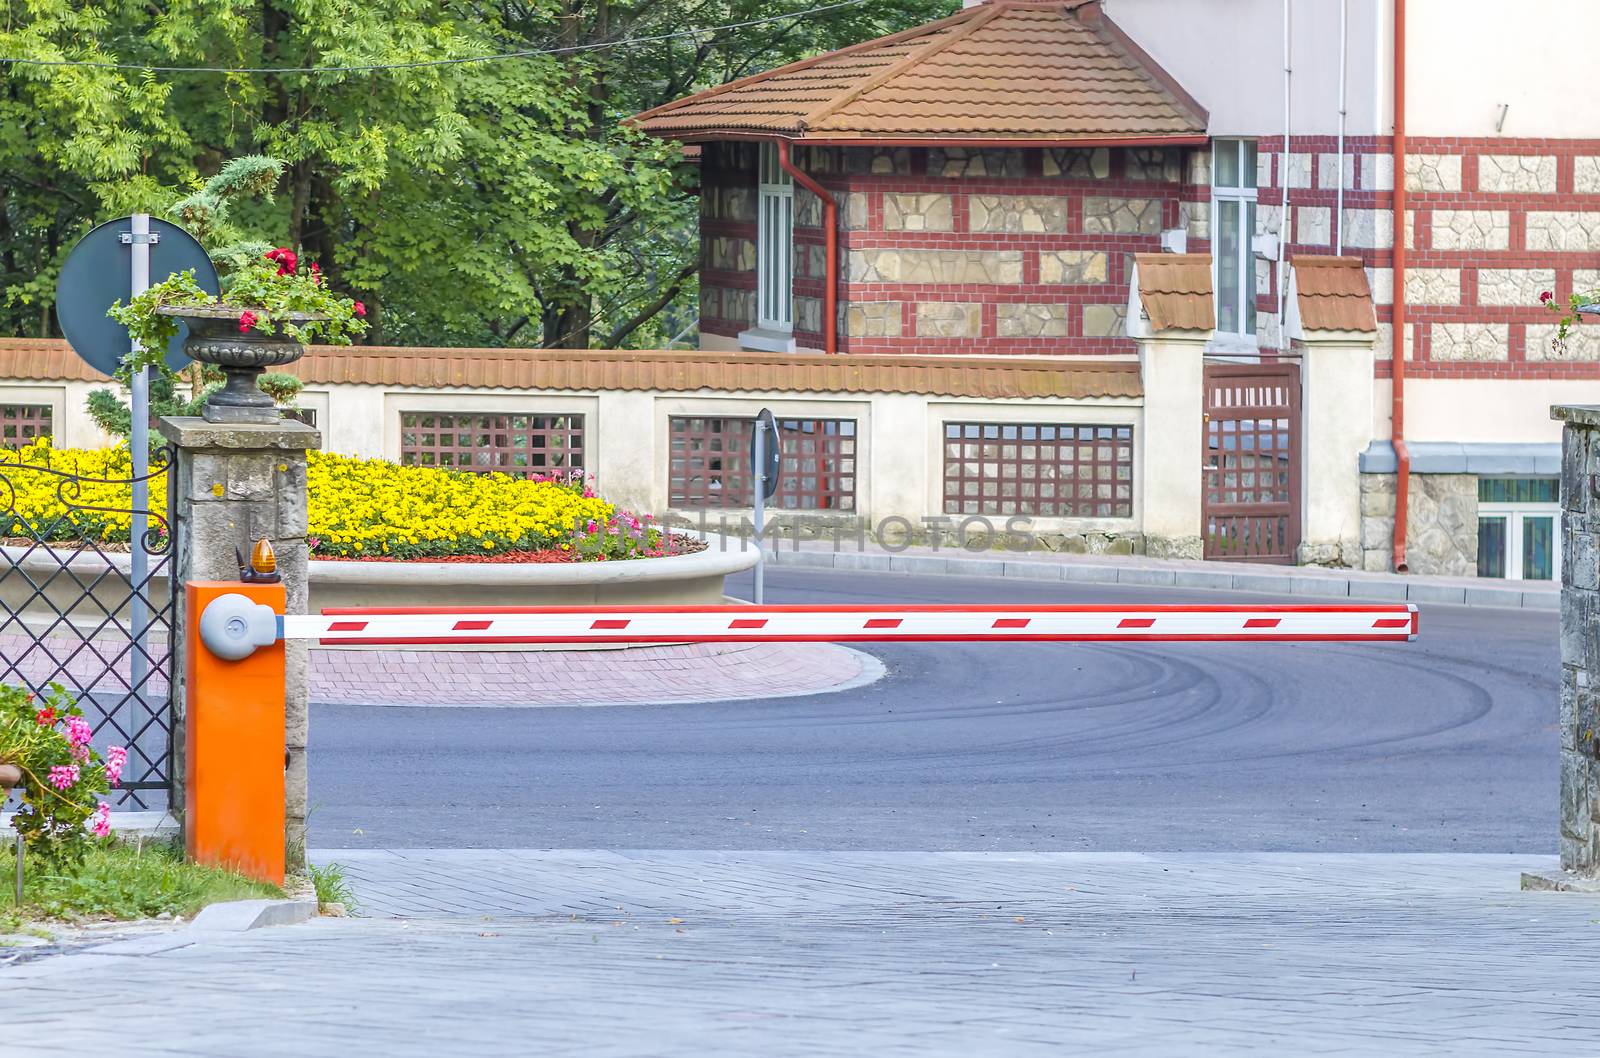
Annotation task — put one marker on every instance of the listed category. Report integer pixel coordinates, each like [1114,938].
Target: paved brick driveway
[780,954]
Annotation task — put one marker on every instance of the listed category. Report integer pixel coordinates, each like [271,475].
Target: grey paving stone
[925,564]
[1379,590]
[1326,587]
[682,953]
[1034,570]
[1203,578]
[1507,597]
[1155,577]
[1435,593]
[1541,600]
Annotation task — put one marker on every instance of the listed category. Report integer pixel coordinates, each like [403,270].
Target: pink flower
[78,730]
[100,822]
[359,309]
[1545,297]
[63,776]
[247,320]
[116,760]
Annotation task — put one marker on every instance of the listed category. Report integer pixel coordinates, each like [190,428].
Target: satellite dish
[98,273]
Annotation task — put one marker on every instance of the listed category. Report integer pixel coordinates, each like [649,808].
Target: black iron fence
[73,614]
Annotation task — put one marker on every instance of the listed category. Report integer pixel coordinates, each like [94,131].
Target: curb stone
[1392,588]
[233,916]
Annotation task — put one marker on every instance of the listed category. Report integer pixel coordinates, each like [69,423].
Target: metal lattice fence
[71,614]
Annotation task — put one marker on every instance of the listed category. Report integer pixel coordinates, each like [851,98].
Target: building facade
[991,177]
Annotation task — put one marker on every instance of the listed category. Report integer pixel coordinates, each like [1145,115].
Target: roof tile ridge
[973,18]
[801,64]
[1096,21]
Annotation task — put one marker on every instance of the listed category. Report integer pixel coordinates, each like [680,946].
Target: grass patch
[120,881]
[331,885]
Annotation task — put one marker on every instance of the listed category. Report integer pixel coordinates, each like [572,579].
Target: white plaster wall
[1336,398]
[1174,394]
[1481,410]
[1465,59]
[1229,55]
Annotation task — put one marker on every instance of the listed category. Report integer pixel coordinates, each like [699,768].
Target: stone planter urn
[10,775]
[215,338]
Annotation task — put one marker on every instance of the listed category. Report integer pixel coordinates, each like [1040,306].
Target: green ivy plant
[272,295]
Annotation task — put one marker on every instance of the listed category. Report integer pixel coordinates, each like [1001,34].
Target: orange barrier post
[234,813]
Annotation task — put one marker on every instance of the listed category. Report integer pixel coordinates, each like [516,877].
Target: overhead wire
[524,53]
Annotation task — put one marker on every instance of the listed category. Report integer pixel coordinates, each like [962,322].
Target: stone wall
[1491,223]
[1580,642]
[979,251]
[1441,524]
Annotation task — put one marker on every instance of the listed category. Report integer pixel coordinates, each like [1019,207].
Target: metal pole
[139,450]
[760,509]
[19,868]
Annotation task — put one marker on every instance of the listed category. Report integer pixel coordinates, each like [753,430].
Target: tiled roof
[1333,294]
[1003,69]
[591,369]
[1176,290]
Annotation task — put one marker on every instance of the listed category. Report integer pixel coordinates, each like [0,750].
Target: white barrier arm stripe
[858,624]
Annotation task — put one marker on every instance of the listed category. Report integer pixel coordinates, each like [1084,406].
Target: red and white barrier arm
[844,624]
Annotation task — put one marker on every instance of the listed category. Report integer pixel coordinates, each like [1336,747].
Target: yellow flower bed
[374,507]
[358,507]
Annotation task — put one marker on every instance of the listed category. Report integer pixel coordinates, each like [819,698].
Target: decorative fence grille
[709,464]
[67,610]
[511,443]
[22,423]
[1038,469]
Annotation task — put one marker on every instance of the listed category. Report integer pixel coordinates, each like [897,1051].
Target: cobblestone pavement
[694,672]
[794,953]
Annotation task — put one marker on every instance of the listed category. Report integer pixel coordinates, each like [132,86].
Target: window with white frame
[1519,521]
[1233,225]
[774,244]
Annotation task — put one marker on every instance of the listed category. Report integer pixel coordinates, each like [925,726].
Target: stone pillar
[1580,654]
[1171,442]
[1335,428]
[234,484]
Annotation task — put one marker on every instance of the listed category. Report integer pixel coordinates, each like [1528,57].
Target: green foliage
[62,776]
[331,885]
[117,880]
[494,203]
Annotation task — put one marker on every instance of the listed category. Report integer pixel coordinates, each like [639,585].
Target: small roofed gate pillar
[237,483]
[1171,315]
[1331,321]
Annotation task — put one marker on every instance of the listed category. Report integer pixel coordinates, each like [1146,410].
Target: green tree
[474,203]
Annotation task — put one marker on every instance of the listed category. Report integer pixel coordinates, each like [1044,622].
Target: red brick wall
[1486,236]
[928,260]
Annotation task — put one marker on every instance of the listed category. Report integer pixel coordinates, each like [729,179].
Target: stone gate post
[1580,653]
[234,484]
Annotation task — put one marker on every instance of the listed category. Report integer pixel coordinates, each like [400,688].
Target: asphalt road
[1447,744]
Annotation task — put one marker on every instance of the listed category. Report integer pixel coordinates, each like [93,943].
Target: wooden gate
[1251,472]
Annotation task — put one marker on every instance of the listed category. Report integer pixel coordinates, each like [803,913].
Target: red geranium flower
[287,260]
[1546,296]
[247,320]
[45,717]
[359,309]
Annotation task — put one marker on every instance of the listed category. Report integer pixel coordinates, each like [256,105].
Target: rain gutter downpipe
[1338,206]
[830,227]
[1286,222]
[1397,342]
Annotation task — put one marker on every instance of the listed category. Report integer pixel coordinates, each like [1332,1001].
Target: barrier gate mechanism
[236,665]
